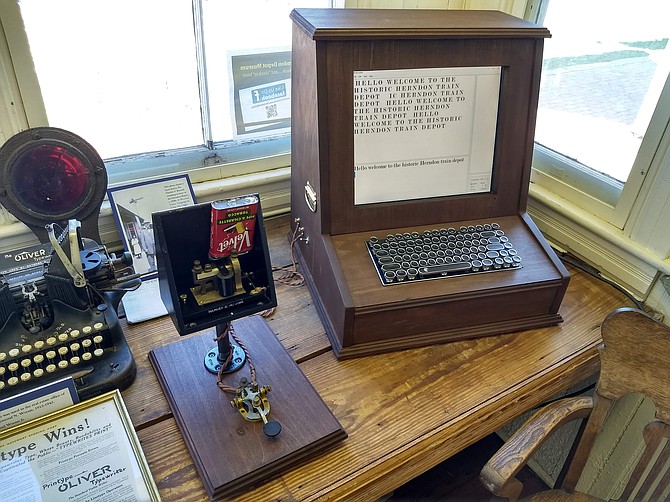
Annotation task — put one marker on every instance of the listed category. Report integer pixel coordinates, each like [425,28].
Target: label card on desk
[37,402]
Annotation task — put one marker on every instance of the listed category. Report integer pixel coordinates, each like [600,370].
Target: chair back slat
[635,357]
[650,479]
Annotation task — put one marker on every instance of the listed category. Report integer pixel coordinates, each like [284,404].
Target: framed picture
[133,205]
[88,451]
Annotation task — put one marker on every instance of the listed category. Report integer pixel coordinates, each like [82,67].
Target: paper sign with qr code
[267,101]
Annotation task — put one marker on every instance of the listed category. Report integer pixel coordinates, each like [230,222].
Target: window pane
[603,71]
[235,28]
[120,73]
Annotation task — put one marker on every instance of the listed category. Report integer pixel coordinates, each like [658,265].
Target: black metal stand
[217,357]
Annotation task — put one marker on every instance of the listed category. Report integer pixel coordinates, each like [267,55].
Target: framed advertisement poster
[84,452]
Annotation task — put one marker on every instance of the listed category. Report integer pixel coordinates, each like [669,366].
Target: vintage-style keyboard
[445,252]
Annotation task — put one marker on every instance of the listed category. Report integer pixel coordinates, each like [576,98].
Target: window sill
[607,248]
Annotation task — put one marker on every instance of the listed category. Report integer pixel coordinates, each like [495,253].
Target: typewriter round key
[26,362]
[74,347]
[13,367]
[13,381]
[51,354]
[51,340]
[86,356]
[38,372]
[86,330]
[86,343]
[74,360]
[2,370]
[63,364]
[39,359]
[2,385]
[98,352]
[97,339]
[62,350]
[14,352]
[98,326]
[3,356]
[39,344]
[51,368]
[74,333]
[63,337]
[26,348]
[25,377]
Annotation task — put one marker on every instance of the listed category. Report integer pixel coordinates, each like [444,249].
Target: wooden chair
[635,357]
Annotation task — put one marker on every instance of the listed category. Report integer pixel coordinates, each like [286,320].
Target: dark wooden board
[229,452]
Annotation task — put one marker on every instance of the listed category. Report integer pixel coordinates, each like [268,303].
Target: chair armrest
[498,475]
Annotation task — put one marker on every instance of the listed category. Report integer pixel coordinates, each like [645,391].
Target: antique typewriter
[59,299]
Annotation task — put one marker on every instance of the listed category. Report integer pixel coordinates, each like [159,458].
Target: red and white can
[233,222]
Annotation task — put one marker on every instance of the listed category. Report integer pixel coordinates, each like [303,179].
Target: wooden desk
[405,412]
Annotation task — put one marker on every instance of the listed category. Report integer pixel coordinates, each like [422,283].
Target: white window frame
[626,241]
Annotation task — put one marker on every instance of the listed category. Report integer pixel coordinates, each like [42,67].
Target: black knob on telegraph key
[272,428]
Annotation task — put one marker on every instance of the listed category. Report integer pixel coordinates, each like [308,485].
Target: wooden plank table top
[404,412]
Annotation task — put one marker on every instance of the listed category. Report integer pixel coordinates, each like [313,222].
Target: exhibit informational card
[427,132]
[37,402]
[260,92]
[86,452]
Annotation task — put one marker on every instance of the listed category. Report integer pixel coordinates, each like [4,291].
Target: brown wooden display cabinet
[360,314]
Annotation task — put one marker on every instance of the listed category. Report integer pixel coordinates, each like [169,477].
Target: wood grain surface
[404,412]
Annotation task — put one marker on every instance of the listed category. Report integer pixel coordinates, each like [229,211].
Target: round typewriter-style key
[63,364]
[63,337]
[476,265]
[86,356]
[487,264]
[51,354]
[12,381]
[498,263]
[400,275]
[51,368]
[3,356]
[373,240]
[86,343]
[86,330]
[495,226]
[74,333]
[74,360]
[516,259]
[13,367]
[508,245]
[26,362]
[62,351]
[2,370]
[389,276]
[26,348]
[507,262]
[14,352]
[503,238]
[38,372]
[51,340]
[97,339]
[479,228]
[2,385]
[512,252]
[39,344]
[98,352]
[25,376]
[74,347]
[39,359]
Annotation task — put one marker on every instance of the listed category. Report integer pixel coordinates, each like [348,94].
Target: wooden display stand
[230,453]
[361,316]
